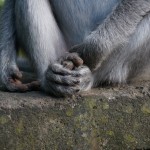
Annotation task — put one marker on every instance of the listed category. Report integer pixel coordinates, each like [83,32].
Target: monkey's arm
[113,32]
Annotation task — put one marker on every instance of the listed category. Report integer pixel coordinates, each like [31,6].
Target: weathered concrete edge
[108,118]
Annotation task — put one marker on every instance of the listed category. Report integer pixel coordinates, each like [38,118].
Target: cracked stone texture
[108,118]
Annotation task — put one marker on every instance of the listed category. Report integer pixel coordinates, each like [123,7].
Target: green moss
[69,112]
[129,138]
[110,133]
[91,103]
[19,127]
[120,120]
[146,108]
[128,109]
[103,119]
[137,125]
[105,106]
[4,119]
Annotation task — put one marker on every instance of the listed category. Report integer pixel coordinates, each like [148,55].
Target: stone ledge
[104,118]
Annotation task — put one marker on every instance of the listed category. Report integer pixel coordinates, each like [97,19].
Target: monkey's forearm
[113,32]
[119,25]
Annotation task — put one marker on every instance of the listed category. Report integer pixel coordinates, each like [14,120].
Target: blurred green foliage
[1,3]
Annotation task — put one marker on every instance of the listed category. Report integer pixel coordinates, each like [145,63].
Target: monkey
[76,45]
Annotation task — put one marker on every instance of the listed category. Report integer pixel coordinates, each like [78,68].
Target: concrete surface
[106,118]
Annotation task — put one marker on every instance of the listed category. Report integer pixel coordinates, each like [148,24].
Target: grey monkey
[110,36]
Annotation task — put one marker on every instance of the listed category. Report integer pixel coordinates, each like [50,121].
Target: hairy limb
[113,32]
[128,61]
[45,46]
[41,37]
[9,73]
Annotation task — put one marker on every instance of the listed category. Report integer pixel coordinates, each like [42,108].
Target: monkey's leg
[128,61]
[9,73]
[38,33]
[41,38]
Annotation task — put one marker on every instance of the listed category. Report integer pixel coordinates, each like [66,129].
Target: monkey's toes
[33,86]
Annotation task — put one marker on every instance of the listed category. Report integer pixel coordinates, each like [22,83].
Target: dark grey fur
[111,36]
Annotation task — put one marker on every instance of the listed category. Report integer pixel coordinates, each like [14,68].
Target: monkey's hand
[60,81]
[11,80]
[71,61]
[89,51]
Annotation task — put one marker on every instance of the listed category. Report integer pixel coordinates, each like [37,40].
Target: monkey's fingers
[20,87]
[17,86]
[61,70]
[61,90]
[33,86]
[58,69]
[68,64]
[15,73]
[74,57]
[62,80]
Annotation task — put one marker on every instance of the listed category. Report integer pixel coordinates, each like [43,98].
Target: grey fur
[111,36]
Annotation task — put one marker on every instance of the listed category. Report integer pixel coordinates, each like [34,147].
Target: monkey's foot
[11,81]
